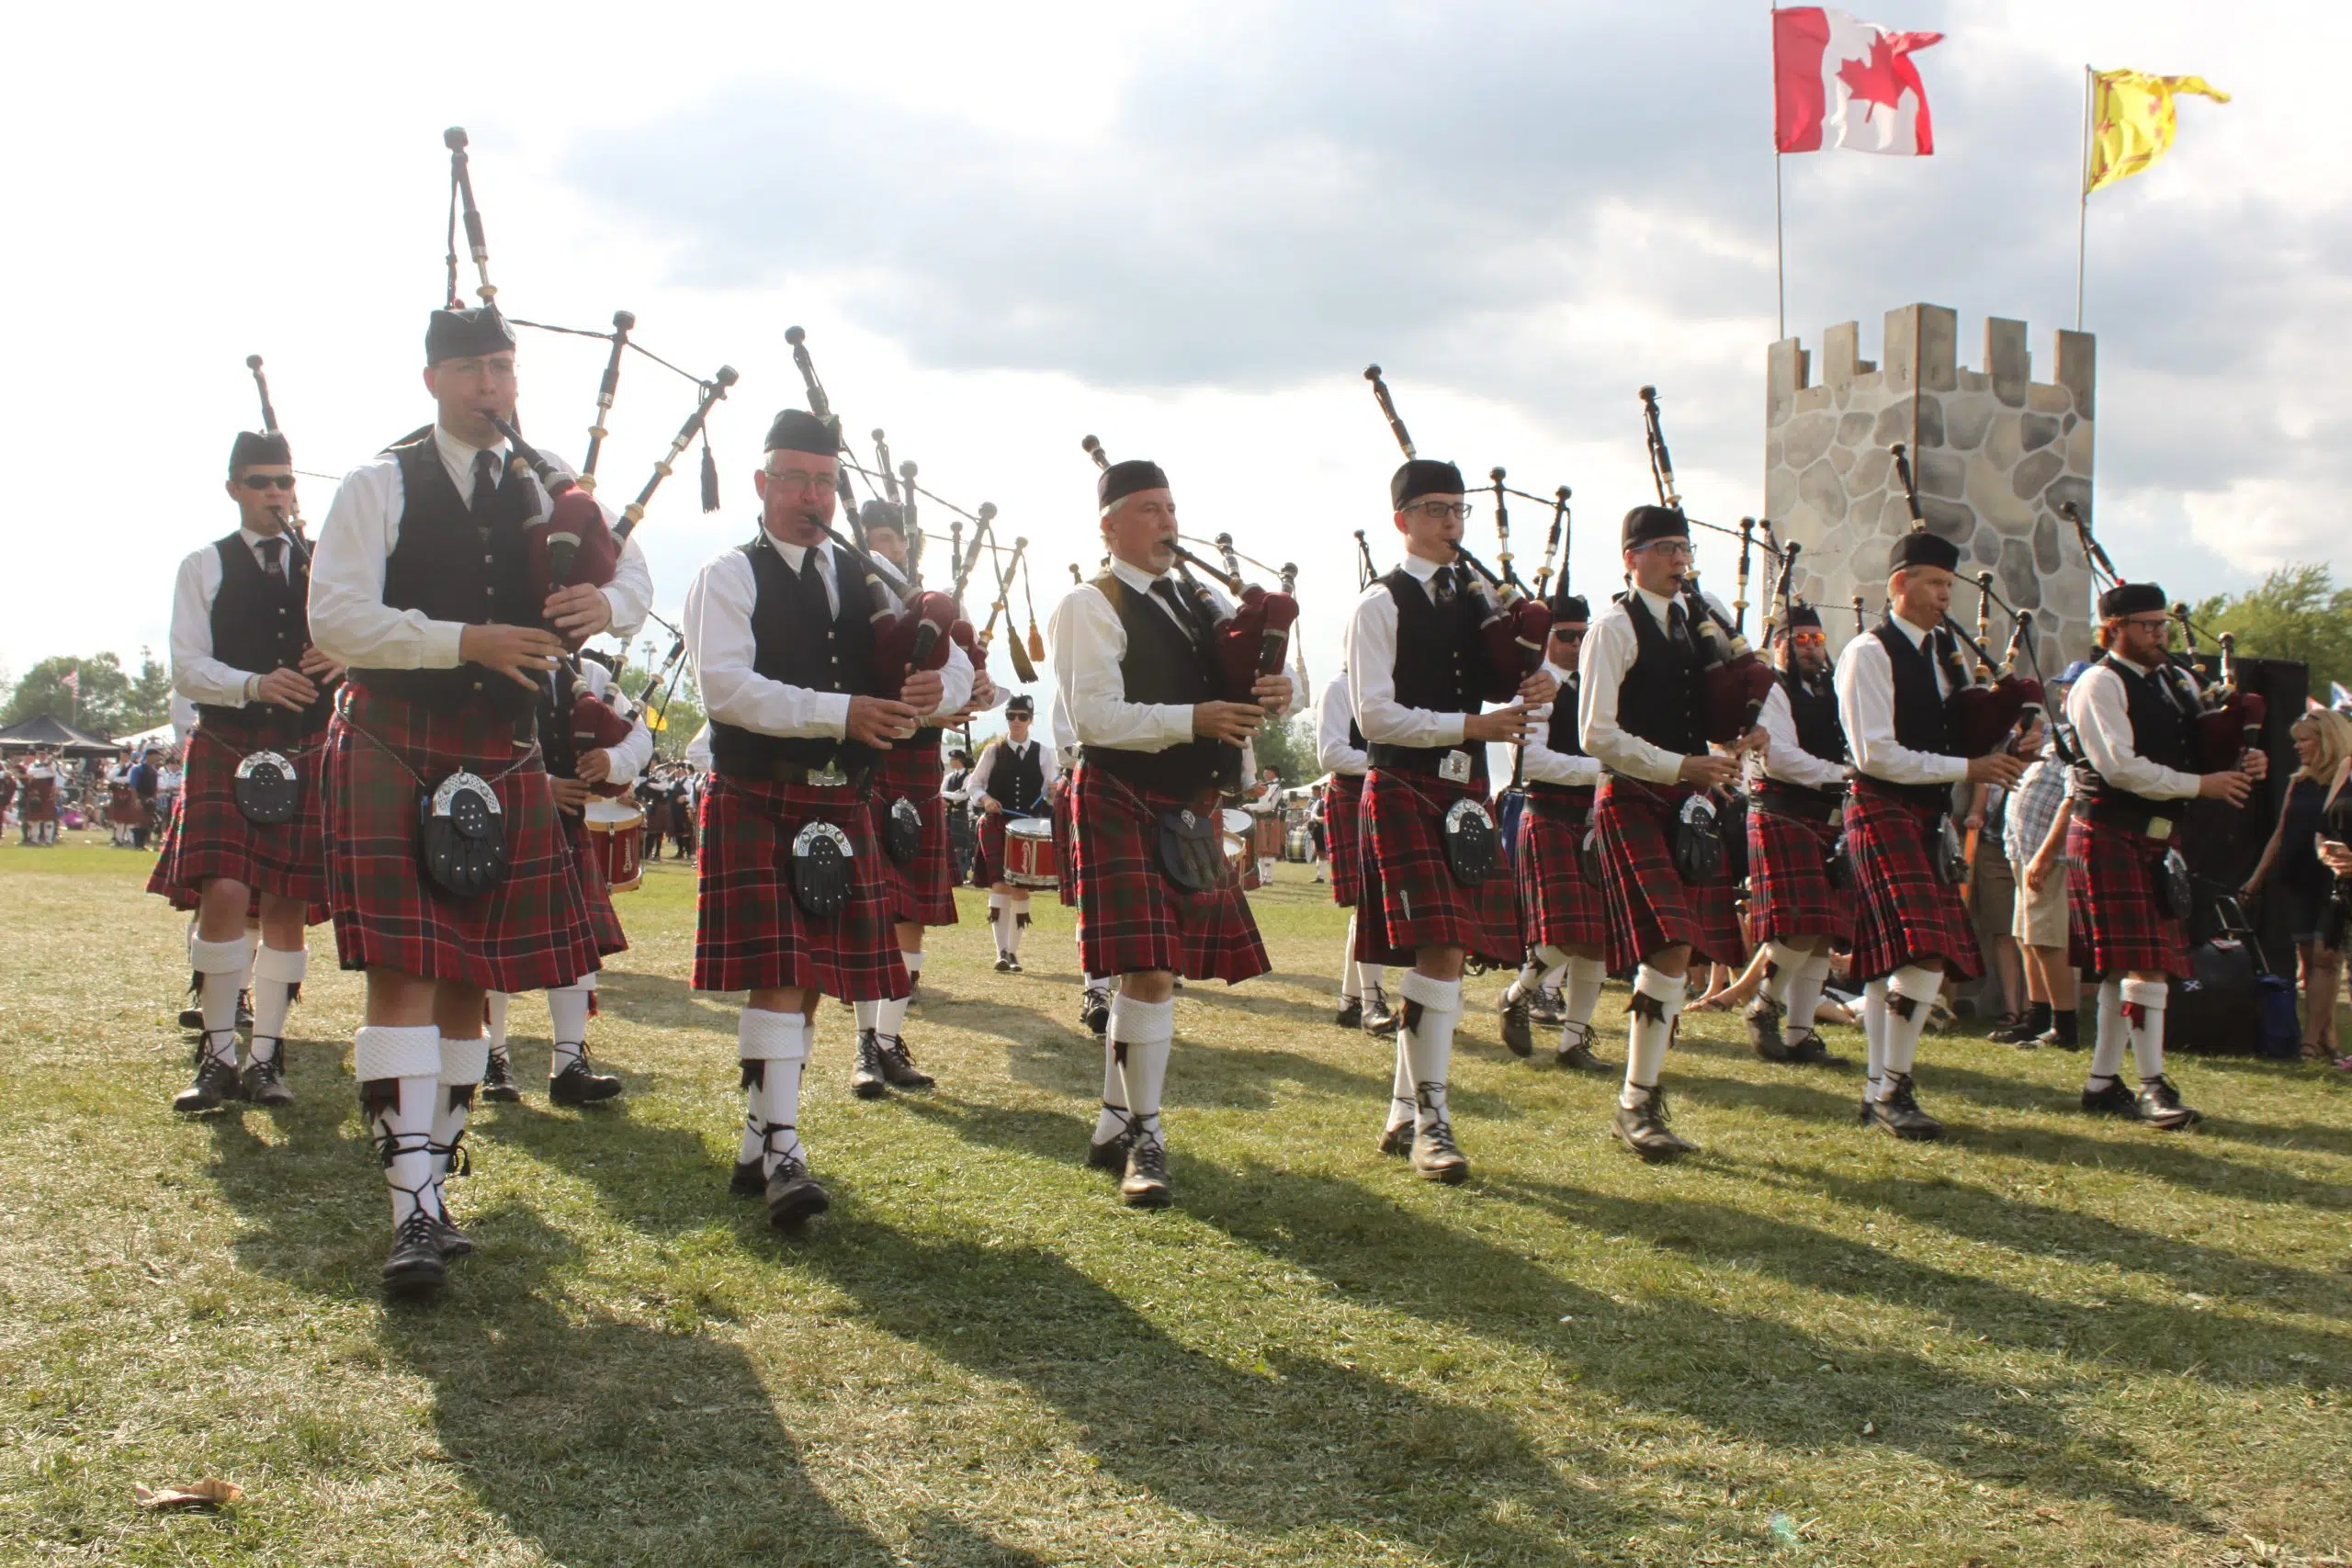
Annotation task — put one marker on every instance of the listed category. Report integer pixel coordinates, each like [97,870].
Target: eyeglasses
[1809,639]
[800,478]
[1439,510]
[1568,634]
[2151,623]
[1672,550]
[268,481]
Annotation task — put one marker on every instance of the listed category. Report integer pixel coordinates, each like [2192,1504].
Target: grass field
[2041,1341]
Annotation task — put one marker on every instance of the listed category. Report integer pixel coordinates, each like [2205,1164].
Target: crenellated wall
[1996,452]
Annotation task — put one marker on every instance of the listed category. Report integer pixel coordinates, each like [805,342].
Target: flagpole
[1780,248]
[2083,198]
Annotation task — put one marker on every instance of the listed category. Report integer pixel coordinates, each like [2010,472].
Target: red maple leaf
[1883,78]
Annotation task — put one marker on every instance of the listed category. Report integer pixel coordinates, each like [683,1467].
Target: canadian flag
[1839,81]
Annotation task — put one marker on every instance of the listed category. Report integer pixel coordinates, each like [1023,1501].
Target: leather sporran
[461,835]
[1948,852]
[1589,855]
[1838,866]
[1473,847]
[2175,893]
[268,790]
[823,877]
[902,831]
[1192,851]
[1698,840]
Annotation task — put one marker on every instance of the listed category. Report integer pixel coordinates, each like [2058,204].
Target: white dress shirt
[1088,642]
[349,618]
[698,750]
[985,769]
[1541,764]
[1866,706]
[717,625]
[1371,672]
[2100,708]
[196,674]
[1334,751]
[1059,727]
[1611,647]
[628,759]
[1786,759]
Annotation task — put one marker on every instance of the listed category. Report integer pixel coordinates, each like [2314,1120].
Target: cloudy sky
[1183,229]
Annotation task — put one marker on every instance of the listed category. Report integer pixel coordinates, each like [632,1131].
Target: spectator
[2298,878]
[2034,839]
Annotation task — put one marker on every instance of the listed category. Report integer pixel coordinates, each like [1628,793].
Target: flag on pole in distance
[2341,698]
[2132,122]
[1841,82]
[72,680]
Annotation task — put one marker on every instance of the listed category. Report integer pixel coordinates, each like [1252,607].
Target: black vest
[1015,780]
[261,625]
[2161,732]
[457,566]
[1814,710]
[1440,666]
[1923,714]
[1162,665]
[835,656]
[1563,737]
[1663,697]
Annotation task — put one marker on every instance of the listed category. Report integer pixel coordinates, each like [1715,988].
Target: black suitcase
[2232,1004]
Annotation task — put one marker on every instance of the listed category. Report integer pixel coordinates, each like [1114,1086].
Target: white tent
[161,735]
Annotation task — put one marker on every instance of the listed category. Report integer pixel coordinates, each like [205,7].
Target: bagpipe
[1247,641]
[1735,679]
[1517,623]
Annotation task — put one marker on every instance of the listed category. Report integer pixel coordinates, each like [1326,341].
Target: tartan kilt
[207,836]
[923,890]
[1556,905]
[125,810]
[596,889]
[2113,922]
[1410,897]
[750,932]
[1788,880]
[987,849]
[1131,917]
[1647,904]
[530,932]
[1343,833]
[1904,913]
[1058,798]
[40,801]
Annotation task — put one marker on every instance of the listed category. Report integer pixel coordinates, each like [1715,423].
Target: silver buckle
[1454,768]
[830,776]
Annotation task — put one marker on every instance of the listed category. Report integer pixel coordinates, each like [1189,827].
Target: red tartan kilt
[1556,905]
[751,933]
[1411,898]
[922,890]
[1788,880]
[596,888]
[1131,917]
[987,852]
[1904,914]
[1343,836]
[209,837]
[40,803]
[1648,905]
[2113,923]
[1057,796]
[529,933]
[124,809]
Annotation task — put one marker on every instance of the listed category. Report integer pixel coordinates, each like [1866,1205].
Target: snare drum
[1237,829]
[1268,832]
[616,838]
[1029,857]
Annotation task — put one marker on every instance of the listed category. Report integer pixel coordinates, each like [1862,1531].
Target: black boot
[216,1084]
[794,1197]
[1898,1111]
[2160,1106]
[1517,1021]
[1575,1051]
[1350,1013]
[1763,1016]
[1806,1050]
[867,1080]
[1111,1153]
[899,1065]
[1378,1020]
[1145,1185]
[263,1080]
[1644,1129]
[1094,1011]
[1398,1141]
[415,1269]
[2113,1101]
[580,1084]
[498,1078]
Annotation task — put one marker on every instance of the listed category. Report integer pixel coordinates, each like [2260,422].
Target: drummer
[1008,782]
[1264,805]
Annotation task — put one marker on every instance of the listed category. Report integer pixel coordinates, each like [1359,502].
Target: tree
[149,700]
[683,716]
[1287,745]
[2297,613]
[104,703]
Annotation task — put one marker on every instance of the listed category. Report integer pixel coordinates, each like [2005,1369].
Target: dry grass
[2042,1341]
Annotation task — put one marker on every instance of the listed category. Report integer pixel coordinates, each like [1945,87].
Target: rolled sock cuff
[913,961]
[2148,993]
[1142,1023]
[463,1061]
[1669,989]
[285,965]
[1921,986]
[229,957]
[381,1052]
[763,1036]
[1438,995]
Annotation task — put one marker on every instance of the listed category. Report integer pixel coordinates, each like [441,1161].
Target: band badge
[463,835]
[1455,767]
[268,790]
[902,831]
[830,776]
[1472,845]
[822,876]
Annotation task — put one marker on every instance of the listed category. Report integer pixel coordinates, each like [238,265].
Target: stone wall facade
[1995,452]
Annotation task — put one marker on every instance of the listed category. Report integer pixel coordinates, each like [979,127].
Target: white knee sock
[494,1016]
[1782,965]
[1350,972]
[866,1014]
[1910,1000]
[399,1083]
[889,1017]
[253,946]
[1113,1119]
[2143,1011]
[1142,1035]
[1425,1034]
[1018,924]
[773,1046]
[1400,1091]
[1874,1035]
[913,961]
[462,1062]
[1657,1002]
[1805,991]
[276,971]
[568,1012]
[2106,1047]
[1100,983]
[1581,993]
[224,967]
[1541,962]
[999,922]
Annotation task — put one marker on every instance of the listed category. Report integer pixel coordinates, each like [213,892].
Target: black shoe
[2052,1036]
[580,1084]
[865,1080]
[899,1065]
[2113,1101]
[1111,1153]
[1578,1057]
[1094,1011]
[1863,1114]
[1763,1016]
[498,1079]
[1519,1026]
[1145,1185]
[1549,1006]
[751,1179]
[1012,962]
[1436,1156]
[794,1197]
[1898,1111]
[1004,964]
[454,1243]
[1398,1141]
[216,1085]
[1350,1013]
[263,1080]
[192,1019]
[1377,1018]
[2016,1032]
[1644,1129]
[2160,1106]
[246,1010]
[415,1268]
[1807,1050]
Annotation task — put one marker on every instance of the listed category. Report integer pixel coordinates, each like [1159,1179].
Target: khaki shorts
[2041,918]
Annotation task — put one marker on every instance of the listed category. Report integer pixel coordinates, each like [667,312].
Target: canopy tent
[164,736]
[42,730]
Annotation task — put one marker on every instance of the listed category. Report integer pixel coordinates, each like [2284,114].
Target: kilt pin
[923,889]
[206,836]
[2113,922]
[1343,838]
[1556,905]
[1788,893]
[1906,915]
[1411,898]
[530,932]
[1648,905]
[752,934]
[1131,916]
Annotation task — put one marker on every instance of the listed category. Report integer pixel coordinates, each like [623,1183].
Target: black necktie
[1165,590]
[1445,584]
[273,568]
[812,600]
[1677,623]
[485,480]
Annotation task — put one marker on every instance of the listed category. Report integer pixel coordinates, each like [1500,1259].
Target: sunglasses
[268,481]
